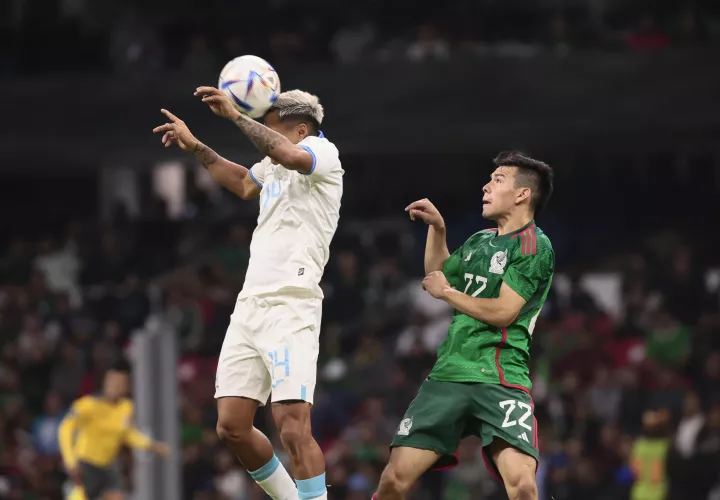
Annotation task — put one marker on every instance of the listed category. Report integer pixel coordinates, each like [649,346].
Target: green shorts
[445,412]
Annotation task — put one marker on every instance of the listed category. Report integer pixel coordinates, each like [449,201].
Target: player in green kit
[497,283]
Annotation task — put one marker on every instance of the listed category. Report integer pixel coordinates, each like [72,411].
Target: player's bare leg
[307,462]
[253,449]
[235,429]
[406,465]
[113,495]
[517,470]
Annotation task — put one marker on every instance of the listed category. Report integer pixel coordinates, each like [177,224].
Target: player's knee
[522,487]
[393,479]
[293,423]
[293,434]
[232,431]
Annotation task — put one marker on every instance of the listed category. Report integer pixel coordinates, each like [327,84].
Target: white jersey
[298,217]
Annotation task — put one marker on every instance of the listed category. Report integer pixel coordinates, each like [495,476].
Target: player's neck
[513,223]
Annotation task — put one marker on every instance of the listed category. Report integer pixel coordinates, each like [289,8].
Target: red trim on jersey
[490,230]
[499,368]
[533,237]
[536,437]
[523,240]
[374,497]
[528,244]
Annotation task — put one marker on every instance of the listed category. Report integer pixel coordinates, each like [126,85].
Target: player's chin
[488,213]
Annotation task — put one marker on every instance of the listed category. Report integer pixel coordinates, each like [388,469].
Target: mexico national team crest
[498,261]
[405,427]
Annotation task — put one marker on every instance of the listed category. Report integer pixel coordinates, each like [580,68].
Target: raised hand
[218,102]
[425,211]
[176,132]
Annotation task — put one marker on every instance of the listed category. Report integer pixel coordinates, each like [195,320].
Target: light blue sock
[275,480]
[311,488]
[266,470]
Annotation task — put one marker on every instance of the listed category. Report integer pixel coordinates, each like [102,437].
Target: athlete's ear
[302,130]
[523,193]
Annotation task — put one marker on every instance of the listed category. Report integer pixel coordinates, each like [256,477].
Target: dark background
[621,97]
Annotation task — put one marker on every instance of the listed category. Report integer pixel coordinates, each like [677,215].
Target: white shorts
[271,346]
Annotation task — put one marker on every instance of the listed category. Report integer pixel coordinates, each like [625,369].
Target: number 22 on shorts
[509,405]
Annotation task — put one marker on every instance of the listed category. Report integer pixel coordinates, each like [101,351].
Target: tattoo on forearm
[204,154]
[265,139]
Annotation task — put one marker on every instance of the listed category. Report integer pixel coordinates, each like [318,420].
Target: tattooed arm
[267,141]
[275,145]
[233,177]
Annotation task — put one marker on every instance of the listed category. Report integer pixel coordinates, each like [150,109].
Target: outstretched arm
[233,177]
[136,439]
[267,141]
[436,250]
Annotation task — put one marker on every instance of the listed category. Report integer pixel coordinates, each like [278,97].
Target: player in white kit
[271,346]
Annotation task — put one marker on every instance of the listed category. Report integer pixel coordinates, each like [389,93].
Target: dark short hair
[533,174]
[312,124]
[120,365]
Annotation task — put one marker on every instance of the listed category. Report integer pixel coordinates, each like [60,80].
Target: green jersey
[475,351]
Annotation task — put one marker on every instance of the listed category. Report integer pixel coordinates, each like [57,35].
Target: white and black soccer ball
[251,83]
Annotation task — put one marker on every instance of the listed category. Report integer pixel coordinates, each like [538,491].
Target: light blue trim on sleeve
[306,148]
[254,179]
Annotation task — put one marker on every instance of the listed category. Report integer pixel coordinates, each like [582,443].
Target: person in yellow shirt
[649,455]
[93,433]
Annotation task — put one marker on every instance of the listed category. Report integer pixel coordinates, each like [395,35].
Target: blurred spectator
[668,342]
[133,305]
[351,43]
[68,372]
[649,455]
[429,45]
[605,395]
[134,47]
[45,427]
[61,269]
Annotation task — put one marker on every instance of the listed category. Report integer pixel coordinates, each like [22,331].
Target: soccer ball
[251,84]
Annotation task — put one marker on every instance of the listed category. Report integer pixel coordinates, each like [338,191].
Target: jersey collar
[515,233]
[320,134]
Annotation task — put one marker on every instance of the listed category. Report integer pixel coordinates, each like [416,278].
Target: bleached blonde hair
[299,103]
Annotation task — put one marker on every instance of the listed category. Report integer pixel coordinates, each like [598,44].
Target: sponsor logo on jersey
[467,259]
[301,271]
[405,427]
[498,261]
[524,437]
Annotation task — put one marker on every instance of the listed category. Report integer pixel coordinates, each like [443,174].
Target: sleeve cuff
[312,169]
[255,180]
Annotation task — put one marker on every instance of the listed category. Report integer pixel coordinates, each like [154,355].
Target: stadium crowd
[126,37]
[613,390]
